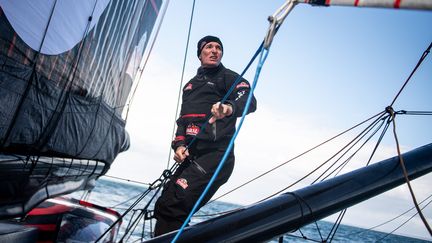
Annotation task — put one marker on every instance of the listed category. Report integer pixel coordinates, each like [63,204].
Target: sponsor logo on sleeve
[242,85]
[182,182]
[240,94]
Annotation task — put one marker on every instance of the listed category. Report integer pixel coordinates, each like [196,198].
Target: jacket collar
[204,71]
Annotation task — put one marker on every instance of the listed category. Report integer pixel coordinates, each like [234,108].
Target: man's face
[211,55]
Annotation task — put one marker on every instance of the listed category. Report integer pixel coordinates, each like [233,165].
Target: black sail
[66,71]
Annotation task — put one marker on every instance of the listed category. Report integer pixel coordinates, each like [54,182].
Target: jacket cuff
[178,141]
[229,102]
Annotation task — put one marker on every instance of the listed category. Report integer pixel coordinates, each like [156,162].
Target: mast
[292,210]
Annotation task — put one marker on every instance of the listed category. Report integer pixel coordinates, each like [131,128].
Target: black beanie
[205,40]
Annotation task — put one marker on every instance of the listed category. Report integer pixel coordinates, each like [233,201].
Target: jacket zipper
[214,131]
[199,167]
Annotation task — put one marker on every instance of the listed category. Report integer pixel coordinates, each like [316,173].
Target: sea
[120,195]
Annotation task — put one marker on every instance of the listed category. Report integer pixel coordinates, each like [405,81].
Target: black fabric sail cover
[66,70]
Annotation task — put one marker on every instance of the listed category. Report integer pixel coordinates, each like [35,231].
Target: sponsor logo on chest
[192,130]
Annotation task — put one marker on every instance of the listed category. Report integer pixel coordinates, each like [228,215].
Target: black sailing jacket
[208,87]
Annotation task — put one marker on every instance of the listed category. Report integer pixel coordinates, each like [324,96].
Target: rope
[297,156]
[155,185]
[263,56]
[402,164]
[301,200]
[406,221]
[181,81]
[394,218]
[311,172]
[352,143]
[128,180]
[204,124]
[367,140]
[201,130]
[335,227]
[425,53]
[390,110]
[384,131]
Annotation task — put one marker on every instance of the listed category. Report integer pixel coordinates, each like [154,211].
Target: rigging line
[354,143]
[162,178]
[376,146]
[126,212]
[301,201]
[131,227]
[124,202]
[146,60]
[130,221]
[337,224]
[297,156]
[418,112]
[406,221]
[402,164]
[143,211]
[263,56]
[303,237]
[128,180]
[394,218]
[425,53]
[29,81]
[384,131]
[181,80]
[343,164]
[311,172]
[204,124]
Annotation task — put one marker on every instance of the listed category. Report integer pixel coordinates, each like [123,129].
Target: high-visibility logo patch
[192,130]
[242,85]
[182,182]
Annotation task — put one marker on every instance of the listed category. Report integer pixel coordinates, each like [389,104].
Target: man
[201,98]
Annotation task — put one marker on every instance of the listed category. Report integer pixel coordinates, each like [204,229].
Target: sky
[328,69]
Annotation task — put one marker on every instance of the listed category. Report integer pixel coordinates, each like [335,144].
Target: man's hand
[220,111]
[180,154]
